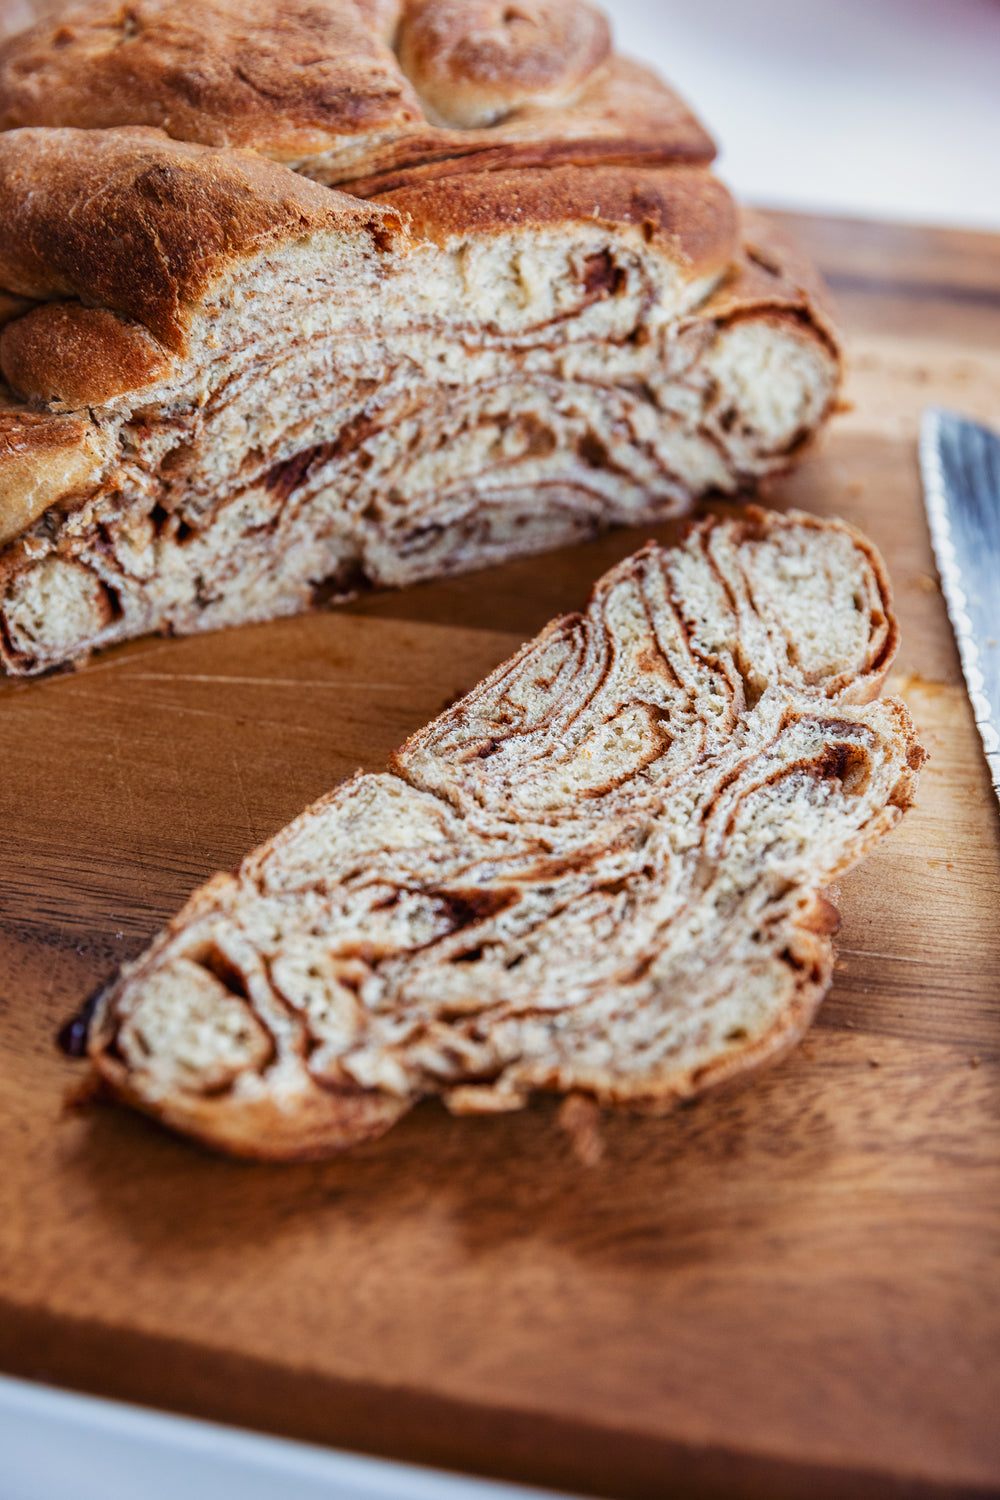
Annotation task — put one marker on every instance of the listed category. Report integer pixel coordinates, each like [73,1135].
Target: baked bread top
[131,220]
[353,89]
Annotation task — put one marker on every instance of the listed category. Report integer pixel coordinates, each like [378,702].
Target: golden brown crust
[141,224]
[79,356]
[624,115]
[316,1124]
[314,82]
[18,15]
[44,456]
[474,61]
[684,208]
[285,79]
[381,17]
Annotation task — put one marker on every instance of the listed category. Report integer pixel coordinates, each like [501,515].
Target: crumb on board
[579,1116]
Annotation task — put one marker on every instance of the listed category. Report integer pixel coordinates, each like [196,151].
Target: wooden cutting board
[788,1291]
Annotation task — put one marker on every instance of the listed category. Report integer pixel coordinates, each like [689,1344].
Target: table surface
[790,1289]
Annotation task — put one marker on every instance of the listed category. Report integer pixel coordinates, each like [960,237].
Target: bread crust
[43,457]
[623,116]
[315,83]
[474,61]
[684,209]
[65,354]
[282,79]
[12,306]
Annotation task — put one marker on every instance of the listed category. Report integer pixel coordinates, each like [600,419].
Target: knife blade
[960,464]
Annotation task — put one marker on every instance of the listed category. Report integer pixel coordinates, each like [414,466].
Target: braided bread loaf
[355,91]
[601,872]
[230,392]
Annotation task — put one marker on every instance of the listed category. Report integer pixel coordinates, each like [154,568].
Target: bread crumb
[579,1116]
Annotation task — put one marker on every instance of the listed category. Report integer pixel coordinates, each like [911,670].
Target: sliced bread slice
[600,873]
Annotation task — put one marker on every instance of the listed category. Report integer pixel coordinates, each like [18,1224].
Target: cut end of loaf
[528,316]
[509,373]
[604,873]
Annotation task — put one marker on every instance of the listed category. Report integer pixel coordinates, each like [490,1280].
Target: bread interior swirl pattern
[283,393]
[600,873]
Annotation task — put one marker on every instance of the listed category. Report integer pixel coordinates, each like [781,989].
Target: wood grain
[786,1291]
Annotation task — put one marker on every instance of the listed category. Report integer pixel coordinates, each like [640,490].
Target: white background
[878,108]
[875,108]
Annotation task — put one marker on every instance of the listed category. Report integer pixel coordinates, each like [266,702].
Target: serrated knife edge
[939,520]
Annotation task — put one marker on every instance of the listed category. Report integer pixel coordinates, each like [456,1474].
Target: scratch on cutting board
[80,674]
[244,801]
[91,668]
[289,682]
[896,958]
[127,793]
[203,713]
[178,761]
